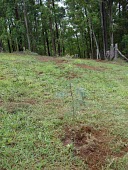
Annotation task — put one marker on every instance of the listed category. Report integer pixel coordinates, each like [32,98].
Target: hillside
[63,113]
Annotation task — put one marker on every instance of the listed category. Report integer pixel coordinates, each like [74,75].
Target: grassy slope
[36,105]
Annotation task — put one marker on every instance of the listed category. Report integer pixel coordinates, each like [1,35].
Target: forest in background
[56,27]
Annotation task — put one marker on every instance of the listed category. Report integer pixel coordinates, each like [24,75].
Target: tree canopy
[60,27]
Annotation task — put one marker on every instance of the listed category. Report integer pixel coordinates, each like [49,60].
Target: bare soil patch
[40,73]
[72,76]
[102,61]
[91,145]
[1,103]
[13,106]
[54,59]
[59,61]
[90,67]
[45,59]
[29,101]
[55,103]
[2,78]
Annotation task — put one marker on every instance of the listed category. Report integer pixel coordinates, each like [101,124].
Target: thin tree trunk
[111,20]
[58,42]
[87,45]
[26,24]
[57,31]
[90,32]
[9,46]
[91,39]
[116,51]
[10,41]
[52,31]
[119,8]
[19,38]
[44,42]
[1,49]
[104,27]
[17,46]
[53,37]
[78,45]
[47,42]
[97,46]
[62,49]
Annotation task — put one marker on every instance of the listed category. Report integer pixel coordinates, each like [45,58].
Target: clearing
[63,113]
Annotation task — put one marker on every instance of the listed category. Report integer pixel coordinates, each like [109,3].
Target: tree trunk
[9,46]
[90,32]
[104,26]
[87,44]
[57,31]
[26,24]
[19,38]
[51,30]
[47,42]
[97,46]
[57,36]
[112,52]
[111,20]
[1,48]
[116,51]
[78,45]
[44,41]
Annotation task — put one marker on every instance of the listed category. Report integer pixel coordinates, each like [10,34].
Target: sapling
[73,101]
[81,93]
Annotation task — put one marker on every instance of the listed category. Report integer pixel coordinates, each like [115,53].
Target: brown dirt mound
[89,67]
[90,144]
[59,61]
[45,59]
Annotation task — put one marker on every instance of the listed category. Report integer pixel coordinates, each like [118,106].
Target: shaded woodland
[88,28]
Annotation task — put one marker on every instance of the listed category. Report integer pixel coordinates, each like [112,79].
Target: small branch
[73,108]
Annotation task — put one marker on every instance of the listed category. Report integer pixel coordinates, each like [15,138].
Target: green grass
[36,105]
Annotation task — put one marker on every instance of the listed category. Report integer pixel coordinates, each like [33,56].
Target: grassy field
[63,114]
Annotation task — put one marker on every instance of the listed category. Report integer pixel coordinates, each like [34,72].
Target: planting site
[59,113]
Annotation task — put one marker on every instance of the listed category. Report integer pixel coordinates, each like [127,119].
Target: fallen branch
[122,55]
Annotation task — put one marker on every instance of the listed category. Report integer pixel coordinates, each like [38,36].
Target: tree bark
[116,51]
[104,26]
[90,32]
[57,31]
[26,24]
[97,46]
[19,38]
[9,46]
[78,45]
[51,30]
[47,42]
[111,20]
[1,48]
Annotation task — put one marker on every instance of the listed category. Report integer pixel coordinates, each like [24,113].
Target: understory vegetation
[63,113]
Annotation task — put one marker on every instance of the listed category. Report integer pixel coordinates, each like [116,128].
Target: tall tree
[26,24]
[48,27]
